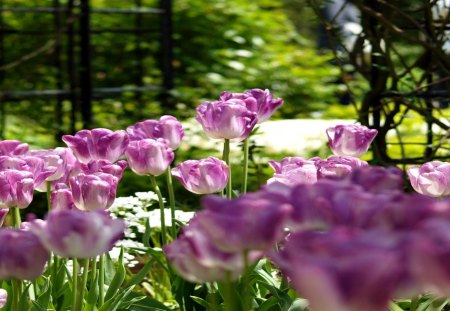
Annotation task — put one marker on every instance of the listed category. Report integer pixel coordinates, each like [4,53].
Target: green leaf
[118,279]
[45,298]
[92,296]
[37,306]
[138,277]
[201,302]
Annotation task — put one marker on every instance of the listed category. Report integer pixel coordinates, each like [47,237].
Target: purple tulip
[294,170]
[167,128]
[13,147]
[3,213]
[377,179]
[3,297]
[61,197]
[429,253]
[432,178]
[350,140]
[256,100]
[343,270]
[338,166]
[254,221]
[226,119]
[97,144]
[149,156]
[104,166]
[22,255]
[93,191]
[78,234]
[16,188]
[203,176]
[197,260]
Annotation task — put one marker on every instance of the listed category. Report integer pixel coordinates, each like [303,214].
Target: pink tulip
[3,297]
[350,140]
[149,156]
[93,191]
[203,176]
[16,188]
[22,255]
[432,178]
[256,100]
[97,144]
[78,234]
[13,147]
[294,170]
[167,128]
[61,197]
[226,119]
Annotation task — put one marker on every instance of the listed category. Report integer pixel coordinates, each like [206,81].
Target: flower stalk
[161,208]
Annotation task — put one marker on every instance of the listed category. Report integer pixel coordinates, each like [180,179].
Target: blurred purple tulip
[432,178]
[342,270]
[378,179]
[93,191]
[3,297]
[22,256]
[61,197]
[338,166]
[149,156]
[167,128]
[16,188]
[256,100]
[204,176]
[294,170]
[78,234]
[350,140]
[13,148]
[197,260]
[430,250]
[97,144]
[3,213]
[254,221]
[226,119]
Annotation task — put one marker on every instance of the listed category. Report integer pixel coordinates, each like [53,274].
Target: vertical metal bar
[58,66]
[71,65]
[167,55]
[139,63]
[2,60]
[85,64]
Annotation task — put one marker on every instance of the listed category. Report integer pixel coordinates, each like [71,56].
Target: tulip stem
[75,270]
[161,208]
[82,285]
[171,202]
[226,158]
[246,283]
[16,217]
[229,297]
[17,291]
[245,164]
[49,191]
[101,280]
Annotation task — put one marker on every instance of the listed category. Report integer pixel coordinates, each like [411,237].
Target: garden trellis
[401,51]
[65,40]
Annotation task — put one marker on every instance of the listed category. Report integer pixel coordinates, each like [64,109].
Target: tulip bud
[226,119]
[93,191]
[256,100]
[13,147]
[350,140]
[149,156]
[3,297]
[73,233]
[22,255]
[16,189]
[203,176]
[97,144]
[167,128]
[432,178]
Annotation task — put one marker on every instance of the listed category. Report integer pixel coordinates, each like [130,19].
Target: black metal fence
[68,50]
